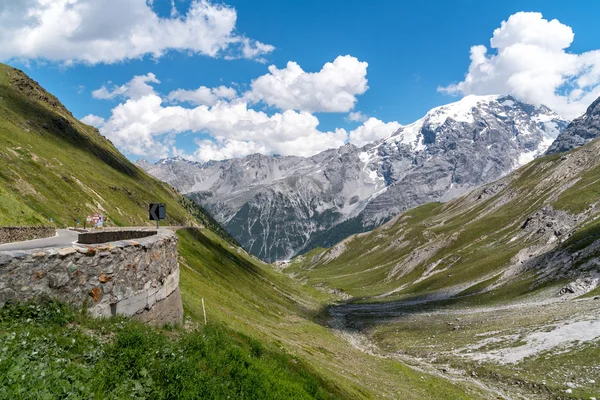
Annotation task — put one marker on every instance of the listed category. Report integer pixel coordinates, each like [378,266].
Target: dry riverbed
[546,347]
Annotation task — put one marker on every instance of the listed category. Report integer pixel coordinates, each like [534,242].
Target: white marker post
[204,309]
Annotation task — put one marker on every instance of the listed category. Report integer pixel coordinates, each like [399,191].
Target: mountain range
[281,206]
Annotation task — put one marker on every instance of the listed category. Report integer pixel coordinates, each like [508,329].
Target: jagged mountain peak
[280,206]
[480,110]
[581,131]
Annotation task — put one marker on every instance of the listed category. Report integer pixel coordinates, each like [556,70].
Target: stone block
[66,251]
[58,280]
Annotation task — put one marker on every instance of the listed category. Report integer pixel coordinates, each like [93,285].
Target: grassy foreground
[260,343]
[49,351]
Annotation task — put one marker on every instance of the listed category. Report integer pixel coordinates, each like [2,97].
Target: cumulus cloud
[146,123]
[531,62]
[203,95]
[93,120]
[110,31]
[372,130]
[357,117]
[136,88]
[333,89]
[145,126]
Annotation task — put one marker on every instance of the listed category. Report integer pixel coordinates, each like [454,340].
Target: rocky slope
[539,225]
[580,131]
[277,207]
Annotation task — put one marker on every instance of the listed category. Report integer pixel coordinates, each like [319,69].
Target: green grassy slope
[482,242]
[248,296]
[54,166]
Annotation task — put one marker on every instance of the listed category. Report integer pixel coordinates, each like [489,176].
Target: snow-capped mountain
[279,206]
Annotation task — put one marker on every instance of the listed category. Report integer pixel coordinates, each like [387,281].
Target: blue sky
[412,49]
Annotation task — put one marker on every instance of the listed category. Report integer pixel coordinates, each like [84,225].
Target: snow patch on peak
[460,111]
[364,157]
[508,102]
[410,135]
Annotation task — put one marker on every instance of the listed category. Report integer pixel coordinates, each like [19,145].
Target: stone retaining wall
[12,234]
[113,235]
[133,277]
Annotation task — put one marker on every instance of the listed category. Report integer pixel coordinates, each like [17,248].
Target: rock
[37,275]
[66,251]
[581,131]
[567,289]
[596,297]
[38,254]
[7,294]
[96,293]
[5,259]
[82,250]
[457,327]
[103,278]
[72,268]
[57,280]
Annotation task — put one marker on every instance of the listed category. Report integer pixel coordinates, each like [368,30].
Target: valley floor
[255,300]
[541,347]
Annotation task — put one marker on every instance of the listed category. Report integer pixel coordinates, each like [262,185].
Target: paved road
[63,238]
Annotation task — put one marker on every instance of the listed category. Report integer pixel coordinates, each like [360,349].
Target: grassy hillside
[51,351]
[54,166]
[506,238]
[250,297]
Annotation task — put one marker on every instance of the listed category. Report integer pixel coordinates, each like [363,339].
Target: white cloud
[145,126]
[146,123]
[110,31]
[203,95]
[333,89]
[134,89]
[357,117]
[531,62]
[93,120]
[372,130]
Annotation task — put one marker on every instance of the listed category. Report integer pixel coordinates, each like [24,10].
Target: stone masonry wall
[130,277]
[12,234]
[113,235]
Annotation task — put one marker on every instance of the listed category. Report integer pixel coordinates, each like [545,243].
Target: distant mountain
[581,131]
[539,225]
[277,207]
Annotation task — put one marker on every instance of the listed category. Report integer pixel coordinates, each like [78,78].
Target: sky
[212,80]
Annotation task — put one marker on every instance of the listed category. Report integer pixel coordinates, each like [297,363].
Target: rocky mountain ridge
[581,131]
[279,206]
